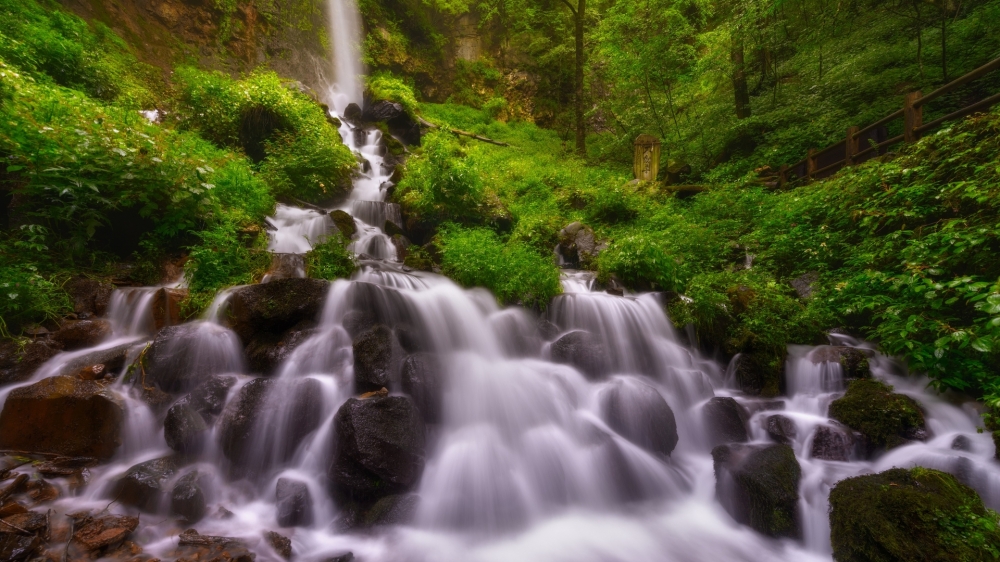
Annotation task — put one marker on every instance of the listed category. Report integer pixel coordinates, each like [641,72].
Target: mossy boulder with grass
[884,418]
[761,373]
[759,486]
[917,514]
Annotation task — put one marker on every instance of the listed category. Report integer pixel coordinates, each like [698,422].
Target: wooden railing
[861,144]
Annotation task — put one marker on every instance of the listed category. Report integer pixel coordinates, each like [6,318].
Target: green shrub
[225,255]
[440,184]
[384,85]
[28,297]
[515,273]
[330,260]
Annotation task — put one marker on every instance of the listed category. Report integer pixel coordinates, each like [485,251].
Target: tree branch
[570,6]
[427,123]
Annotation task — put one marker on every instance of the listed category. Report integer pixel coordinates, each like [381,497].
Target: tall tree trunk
[740,81]
[581,127]
[944,42]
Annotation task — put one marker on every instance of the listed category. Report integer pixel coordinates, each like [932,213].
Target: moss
[761,373]
[885,418]
[330,260]
[766,491]
[917,514]
[855,364]
[996,443]
[344,223]
[418,258]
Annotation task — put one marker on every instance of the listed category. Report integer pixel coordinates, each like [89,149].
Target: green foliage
[299,152]
[225,255]
[387,86]
[514,272]
[28,297]
[440,184]
[917,514]
[330,260]
[52,45]
[882,416]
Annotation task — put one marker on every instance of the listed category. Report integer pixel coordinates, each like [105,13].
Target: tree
[579,13]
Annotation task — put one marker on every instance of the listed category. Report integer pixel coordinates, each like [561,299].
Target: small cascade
[296,230]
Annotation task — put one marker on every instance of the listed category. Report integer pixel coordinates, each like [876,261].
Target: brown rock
[62,415]
[103,532]
[90,296]
[12,508]
[80,334]
[92,373]
[30,521]
[18,547]
[17,364]
[280,543]
[41,491]
[167,307]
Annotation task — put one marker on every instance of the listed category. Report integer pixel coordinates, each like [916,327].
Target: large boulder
[267,421]
[397,509]
[725,421]
[761,373]
[344,222]
[293,503]
[18,363]
[143,485]
[376,359]
[187,500]
[901,515]
[266,351]
[182,357]
[853,361]
[637,412]
[276,306]
[166,306]
[884,418]
[833,443]
[89,296]
[759,486]
[584,351]
[80,334]
[379,448]
[780,428]
[63,415]
[186,425]
[423,379]
[577,245]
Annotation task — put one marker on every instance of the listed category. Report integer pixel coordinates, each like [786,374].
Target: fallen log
[459,132]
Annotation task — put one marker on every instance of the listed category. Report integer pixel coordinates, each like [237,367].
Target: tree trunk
[740,82]
[581,127]
[944,43]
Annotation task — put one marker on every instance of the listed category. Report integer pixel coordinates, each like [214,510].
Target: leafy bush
[330,260]
[440,184]
[299,152]
[28,297]
[226,255]
[515,273]
[386,86]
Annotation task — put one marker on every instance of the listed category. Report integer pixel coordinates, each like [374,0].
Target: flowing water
[531,459]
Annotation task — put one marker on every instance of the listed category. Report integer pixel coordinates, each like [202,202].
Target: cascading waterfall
[345,43]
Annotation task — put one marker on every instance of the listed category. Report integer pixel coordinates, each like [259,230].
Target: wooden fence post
[811,164]
[851,146]
[913,116]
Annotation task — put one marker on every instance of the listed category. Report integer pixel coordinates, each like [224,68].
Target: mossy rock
[996,443]
[761,373]
[907,515]
[344,223]
[886,419]
[759,486]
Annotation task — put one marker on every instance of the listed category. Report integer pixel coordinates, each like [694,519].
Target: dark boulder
[184,428]
[781,429]
[276,306]
[113,358]
[637,412]
[64,416]
[356,322]
[344,223]
[293,503]
[209,397]
[725,421]
[833,443]
[392,510]
[379,448]
[884,418]
[268,350]
[996,445]
[383,110]
[761,373]
[187,500]
[853,361]
[18,547]
[80,334]
[961,443]
[142,486]
[17,363]
[805,284]
[577,244]
[89,296]
[759,486]
[547,330]
[183,356]
[902,515]
[376,359]
[583,351]
[423,379]
[280,543]
[352,113]
[249,427]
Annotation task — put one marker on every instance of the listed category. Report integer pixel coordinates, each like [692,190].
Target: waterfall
[345,44]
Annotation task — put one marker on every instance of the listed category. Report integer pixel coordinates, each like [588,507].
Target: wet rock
[183,356]
[805,284]
[637,412]
[833,443]
[79,334]
[423,379]
[375,359]
[267,351]
[64,466]
[17,364]
[781,429]
[383,110]
[344,222]
[397,509]
[31,521]
[547,330]
[884,418]
[92,373]
[379,447]
[280,543]
[356,322]
[577,244]
[184,429]
[41,491]
[247,426]
[293,503]
[96,533]
[275,306]
[996,444]
[18,547]
[187,500]
[209,397]
[352,113]
[761,374]
[759,486]
[166,307]
[583,351]
[725,421]
[113,359]
[852,360]
[754,406]
[89,296]
[345,557]
[12,508]
[897,514]
[64,416]
[961,443]
[142,486]
[411,339]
